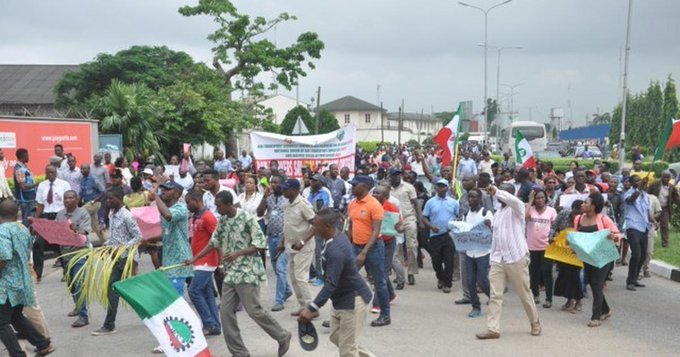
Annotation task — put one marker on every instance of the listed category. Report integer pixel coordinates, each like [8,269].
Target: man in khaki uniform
[411,211]
[297,241]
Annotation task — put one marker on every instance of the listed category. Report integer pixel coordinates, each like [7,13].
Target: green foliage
[562,164]
[239,45]
[36,179]
[413,143]
[493,109]
[646,116]
[369,146]
[428,140]
[327,121]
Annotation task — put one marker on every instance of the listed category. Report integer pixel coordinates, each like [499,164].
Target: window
[367,118]
[346,118]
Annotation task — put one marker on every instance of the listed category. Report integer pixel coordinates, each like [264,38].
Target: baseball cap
[309,339]
[172,185]
[361,179]
[395,171]
[317,177]
[444,182]
[147,171]
[291,183]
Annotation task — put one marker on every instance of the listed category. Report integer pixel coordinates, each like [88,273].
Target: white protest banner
[295,152]
[469,237]
[567,199]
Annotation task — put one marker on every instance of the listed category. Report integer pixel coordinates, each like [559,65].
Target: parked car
[593,152]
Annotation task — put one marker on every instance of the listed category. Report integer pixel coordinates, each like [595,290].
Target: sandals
[594,323]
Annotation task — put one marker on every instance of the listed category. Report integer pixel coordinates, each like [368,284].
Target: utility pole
[622,139]
[382,124]
[318,100]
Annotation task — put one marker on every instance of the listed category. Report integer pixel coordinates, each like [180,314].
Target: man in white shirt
[212,187]
[477,262]
[509,261]
[485,164]
[467,166]
[50,200]
[246,160]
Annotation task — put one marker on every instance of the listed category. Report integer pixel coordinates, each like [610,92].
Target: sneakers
[400,286]
[277,307]
[74,313]
[103,331]
[630,287]
[463,301]
[80,323]
[488,335]
[547,304]
[284,345]
[474,313]
[535,328]
[381,321]
[446,290]
[375,309]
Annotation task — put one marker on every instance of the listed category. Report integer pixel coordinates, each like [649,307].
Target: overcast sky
[425,52]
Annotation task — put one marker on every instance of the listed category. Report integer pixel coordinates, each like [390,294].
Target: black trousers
[442,253]
[112,311]
[540,270]
[39,247]
[14,316]
[596,277]
[638,252]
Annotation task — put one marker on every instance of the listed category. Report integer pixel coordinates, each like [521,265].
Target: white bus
[532,131]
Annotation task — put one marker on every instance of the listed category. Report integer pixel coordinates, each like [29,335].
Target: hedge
[562,164]
[37,179]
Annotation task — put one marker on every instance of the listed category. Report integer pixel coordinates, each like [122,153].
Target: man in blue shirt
[344,286]
[467,166]
[91,191]
[438,212]
[222,165]
[637,223]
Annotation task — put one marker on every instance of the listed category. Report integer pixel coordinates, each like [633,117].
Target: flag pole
[455,168]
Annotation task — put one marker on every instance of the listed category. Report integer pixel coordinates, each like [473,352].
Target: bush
[562,164]
[369,146]
[37,179]
[657,167]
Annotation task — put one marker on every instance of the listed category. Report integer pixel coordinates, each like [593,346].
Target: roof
[413,117]
[349,103]
[30,84]
[586,132]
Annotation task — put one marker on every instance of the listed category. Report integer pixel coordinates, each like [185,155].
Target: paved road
[425,322]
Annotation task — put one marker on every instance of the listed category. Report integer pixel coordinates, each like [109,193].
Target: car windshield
[529,132]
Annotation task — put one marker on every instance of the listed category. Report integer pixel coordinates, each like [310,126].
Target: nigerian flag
[165,313]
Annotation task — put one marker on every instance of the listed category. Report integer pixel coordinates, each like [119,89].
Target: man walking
[274,204]
[16,287]
[439,211]
[297,241]
[201,290]
[477,262]
[366,215]
[637,225]
[239,239]
[509,261]
[90,191]
[344,286]
[408,199]
[24,186]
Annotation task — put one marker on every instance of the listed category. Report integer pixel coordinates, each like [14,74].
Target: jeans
[442,253]
[540,269]
[178,284]
[202,295]
[390,247]
[375,266]
[477,271]
[15,317]
[280,266]
[318,271]
[638,251]
[596,278]
[27,210]
[112,311]
[76,290]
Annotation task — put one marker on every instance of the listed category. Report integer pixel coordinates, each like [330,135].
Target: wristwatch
[302,242]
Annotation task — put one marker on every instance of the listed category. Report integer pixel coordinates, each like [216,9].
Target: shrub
[37,179]
[369,146]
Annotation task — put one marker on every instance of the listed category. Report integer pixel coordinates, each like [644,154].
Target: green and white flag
[523,153]
[165,313]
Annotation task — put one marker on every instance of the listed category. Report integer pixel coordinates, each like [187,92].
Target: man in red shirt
[201,291]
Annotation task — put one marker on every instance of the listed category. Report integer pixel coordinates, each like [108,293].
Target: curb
[665,270]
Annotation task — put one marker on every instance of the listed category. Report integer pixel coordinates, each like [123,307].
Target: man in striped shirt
[509,261]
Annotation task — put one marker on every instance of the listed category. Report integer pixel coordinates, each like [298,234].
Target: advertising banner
[295,152]
[39,138]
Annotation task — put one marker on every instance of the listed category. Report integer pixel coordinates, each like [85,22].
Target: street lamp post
[486,50]
[498,79]
[622,138]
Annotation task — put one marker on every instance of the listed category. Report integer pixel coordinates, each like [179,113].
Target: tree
[492,105]
[327,121]
[599,119]
[132,110]
[240,47]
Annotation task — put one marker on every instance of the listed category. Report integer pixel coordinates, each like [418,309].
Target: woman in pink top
[540,218]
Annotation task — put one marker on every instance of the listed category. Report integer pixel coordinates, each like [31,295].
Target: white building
[280,105]
[416,123]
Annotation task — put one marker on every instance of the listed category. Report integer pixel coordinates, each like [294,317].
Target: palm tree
[602,119]
[130,110]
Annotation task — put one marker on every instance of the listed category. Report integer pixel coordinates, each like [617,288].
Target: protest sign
[593,248]
[567,199]
[389,224]
[560,251]
[314,151]
[149,221]
[58,232]
[469,237]
[649,175]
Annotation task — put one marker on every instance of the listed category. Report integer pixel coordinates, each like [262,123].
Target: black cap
[291,183]
[395,171]
[172,185]
[309,339]
[361,179]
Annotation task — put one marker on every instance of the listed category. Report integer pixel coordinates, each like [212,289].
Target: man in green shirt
[239,239]
[16,286]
